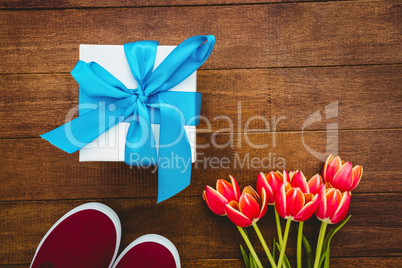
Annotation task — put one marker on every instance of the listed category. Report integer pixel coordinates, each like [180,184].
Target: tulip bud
[334,204]
[250,208]
[225,192]
[292,204]
[271,183]
[341,175]
[299,180]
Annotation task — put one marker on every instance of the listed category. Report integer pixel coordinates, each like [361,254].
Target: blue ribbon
[118,103]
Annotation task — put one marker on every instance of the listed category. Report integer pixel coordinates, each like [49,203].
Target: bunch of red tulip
[295,199]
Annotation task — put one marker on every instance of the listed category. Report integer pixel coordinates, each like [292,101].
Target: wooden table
[282,60]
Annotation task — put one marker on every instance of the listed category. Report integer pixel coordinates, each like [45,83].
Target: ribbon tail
[140,149]
[174,170]
[77,133]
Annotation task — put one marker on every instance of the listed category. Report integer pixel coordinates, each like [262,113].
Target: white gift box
[110,145]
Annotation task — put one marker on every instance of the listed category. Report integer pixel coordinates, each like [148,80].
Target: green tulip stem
[250,247]
[264,245]
[285,240]
[278,227]
[319,244]
[299,244]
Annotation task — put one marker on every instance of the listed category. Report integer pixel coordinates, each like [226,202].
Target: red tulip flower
[341,175]
[334,204]
[292,204]
[271,183]
[225,192]
[311,187]
[250,208]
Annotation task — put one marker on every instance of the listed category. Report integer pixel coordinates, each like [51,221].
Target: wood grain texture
[366,96]
[251,36]
[31,105]
[14,4]
[376,262]
[334,33]
[372,262]
[24,223]
[283,61]
[47,40]
[31,165]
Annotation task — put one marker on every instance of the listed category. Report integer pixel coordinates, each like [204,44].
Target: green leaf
[323,255]
[245,258]
[253,264]
[285,259]
[331,233]
[326,264]
[286,262]
[273,251]
[309,252]
[327,241]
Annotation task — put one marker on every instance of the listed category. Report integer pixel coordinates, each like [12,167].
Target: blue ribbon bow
[118,103]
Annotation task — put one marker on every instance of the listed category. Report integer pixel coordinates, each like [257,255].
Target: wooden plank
[24,223]
[376,262]
[26,100]
[285,97]
[42,41]
[351,262]
[31,165]
[12,4]
[334,33]
[277,35]
[361,97]
[214,263]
